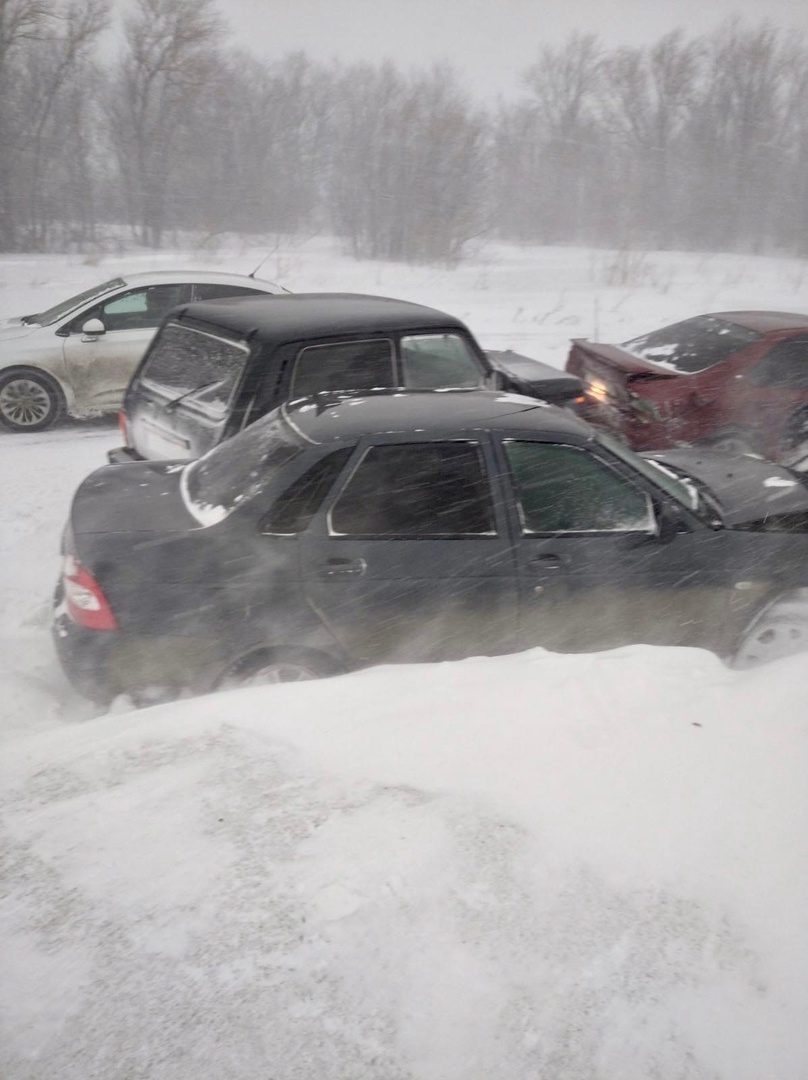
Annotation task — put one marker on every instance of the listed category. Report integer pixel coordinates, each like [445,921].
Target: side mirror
[93,327]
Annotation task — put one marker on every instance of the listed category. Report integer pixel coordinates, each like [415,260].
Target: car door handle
[335,568]
[547,562]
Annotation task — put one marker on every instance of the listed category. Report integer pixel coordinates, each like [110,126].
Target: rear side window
[295,507]
[435,361]
[416,491]
[222,292]
[784,368]
[344,365]
[200,367]
[565,489]
[693,345]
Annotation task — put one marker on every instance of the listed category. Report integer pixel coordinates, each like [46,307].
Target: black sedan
[346,530]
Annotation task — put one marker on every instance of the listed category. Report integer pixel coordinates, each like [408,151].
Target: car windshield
[236,470]
[52,315]
[693,345]
[684,492]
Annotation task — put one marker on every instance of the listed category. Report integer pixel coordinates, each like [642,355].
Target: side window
[139,309]
[344,365]
[295,507]
[207,291]
[566,489]
[437,361]
[416,491]
[785,367]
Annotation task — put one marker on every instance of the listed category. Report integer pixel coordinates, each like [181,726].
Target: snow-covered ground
[537,866]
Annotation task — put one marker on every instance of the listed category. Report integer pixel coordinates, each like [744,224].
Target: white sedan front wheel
[29,401]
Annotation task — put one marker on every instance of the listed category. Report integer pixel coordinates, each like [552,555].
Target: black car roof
[332,416]
[304,315]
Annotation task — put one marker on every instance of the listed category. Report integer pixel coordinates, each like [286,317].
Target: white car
[78,356]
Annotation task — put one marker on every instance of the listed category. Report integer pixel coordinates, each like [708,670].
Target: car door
[409,559]
[100,365]
[605,560]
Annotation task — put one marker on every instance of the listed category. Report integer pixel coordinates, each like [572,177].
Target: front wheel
[733,441]
[29,401]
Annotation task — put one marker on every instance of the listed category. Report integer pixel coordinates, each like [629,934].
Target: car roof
[335,416]
[201,277]
[303,315]
[765,322]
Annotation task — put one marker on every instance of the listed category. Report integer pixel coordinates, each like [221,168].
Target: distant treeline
[694,142]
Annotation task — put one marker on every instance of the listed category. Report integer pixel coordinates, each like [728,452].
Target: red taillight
[124,427]
[86,603]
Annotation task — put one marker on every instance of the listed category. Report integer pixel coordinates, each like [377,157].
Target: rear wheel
[277,666]
[781,630]
[29,400]
[733,441]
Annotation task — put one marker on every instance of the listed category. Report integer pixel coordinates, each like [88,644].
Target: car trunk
[609,373]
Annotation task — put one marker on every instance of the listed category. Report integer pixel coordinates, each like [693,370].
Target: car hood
[15,328]
[140,498]
[748,488]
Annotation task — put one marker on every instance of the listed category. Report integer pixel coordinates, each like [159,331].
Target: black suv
[215,367]
[344,530]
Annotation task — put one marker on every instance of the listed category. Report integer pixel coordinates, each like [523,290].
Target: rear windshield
[237,469]
[692,345]
[198,367]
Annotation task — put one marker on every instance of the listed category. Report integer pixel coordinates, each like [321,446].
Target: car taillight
[124,427]
[86,603]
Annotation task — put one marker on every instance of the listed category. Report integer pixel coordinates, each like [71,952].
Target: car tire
[780,630]
[30,400]
[733,441]
[794,450]
[276,666]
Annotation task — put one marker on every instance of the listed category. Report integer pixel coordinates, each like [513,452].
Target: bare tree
[171,52]
[647,97]
[564,84]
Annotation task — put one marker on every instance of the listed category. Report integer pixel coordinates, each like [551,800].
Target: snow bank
[533,866]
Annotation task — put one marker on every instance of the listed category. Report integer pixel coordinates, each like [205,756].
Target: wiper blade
[171,406]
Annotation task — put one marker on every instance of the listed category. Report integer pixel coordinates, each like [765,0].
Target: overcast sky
[488,41]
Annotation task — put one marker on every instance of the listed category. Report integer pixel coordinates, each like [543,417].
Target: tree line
[695,142]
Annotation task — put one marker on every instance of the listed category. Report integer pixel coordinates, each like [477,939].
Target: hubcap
[24,402]
[773,640]
[281,672]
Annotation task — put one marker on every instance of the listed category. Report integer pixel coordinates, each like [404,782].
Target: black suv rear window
[692,345]
[199,367]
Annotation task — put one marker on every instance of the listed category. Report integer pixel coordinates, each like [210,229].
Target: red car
[733,380]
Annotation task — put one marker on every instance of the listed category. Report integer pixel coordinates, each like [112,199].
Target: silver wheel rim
[773,639]
[281,671]
[24,402]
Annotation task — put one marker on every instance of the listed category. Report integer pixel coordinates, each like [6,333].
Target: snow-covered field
[538,866]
